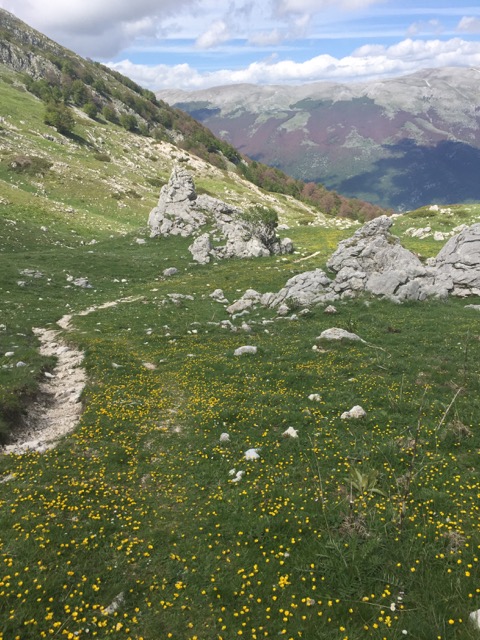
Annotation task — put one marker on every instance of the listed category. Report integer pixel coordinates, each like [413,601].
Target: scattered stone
[238,476]
[252,454]
[474,618]
[315,397]
[171,271]
[21,364]
[140,241]
[218,296]
[283,310]
[476,307]
[224,437]
[116,603]
[246,327]
[82,282]
[149,365]
[304,289]
[31,273]
[247,349]
[246,302]
[290,433]
[202,249]
[9,354]
[330,309]
[355,413]
[339,334]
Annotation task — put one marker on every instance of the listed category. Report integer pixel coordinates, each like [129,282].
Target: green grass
[139,499]
[355,529]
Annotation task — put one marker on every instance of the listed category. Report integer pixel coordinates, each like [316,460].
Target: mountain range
[72,87]
[401,142]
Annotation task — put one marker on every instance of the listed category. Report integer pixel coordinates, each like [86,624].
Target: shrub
[109,114]
[102,157]
[128,121]
[60,116]
[91,109]
[32,165]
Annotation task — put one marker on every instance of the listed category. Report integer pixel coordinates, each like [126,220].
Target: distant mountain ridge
[401,142]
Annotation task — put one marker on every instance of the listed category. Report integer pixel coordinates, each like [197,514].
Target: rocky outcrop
[459,262]
[237,234]
[374,261]
[176,213]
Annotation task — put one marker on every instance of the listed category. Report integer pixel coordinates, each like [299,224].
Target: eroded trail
[58,406]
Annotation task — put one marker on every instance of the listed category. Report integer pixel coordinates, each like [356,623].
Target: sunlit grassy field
[133,527]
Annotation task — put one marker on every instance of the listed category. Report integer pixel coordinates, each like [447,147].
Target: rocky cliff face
[219,229]
[20,48]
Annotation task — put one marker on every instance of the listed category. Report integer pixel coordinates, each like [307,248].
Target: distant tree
[60,116]
[109,113]
[79,93]
[128,121]
[91,110]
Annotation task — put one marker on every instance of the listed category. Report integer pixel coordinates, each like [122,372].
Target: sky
[197,44]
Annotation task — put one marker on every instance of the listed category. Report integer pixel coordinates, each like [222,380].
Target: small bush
[60,116]
[31,165]
[102,157]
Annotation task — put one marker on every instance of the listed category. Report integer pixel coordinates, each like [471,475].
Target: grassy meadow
[135,526]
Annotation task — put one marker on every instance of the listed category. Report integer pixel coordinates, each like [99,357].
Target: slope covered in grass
[132,526]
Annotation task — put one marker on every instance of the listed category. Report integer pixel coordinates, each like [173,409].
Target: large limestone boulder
[175,213]
[459,262]
[304,289]
[181,211]
[373,260]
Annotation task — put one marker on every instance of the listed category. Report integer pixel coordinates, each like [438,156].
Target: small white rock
[291,433]
[315,397]
[474,618]
[355,413]
[338,334]
[252,454]
[224,437]
[247,349]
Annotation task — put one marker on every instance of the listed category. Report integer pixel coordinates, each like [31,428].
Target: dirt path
[58,406]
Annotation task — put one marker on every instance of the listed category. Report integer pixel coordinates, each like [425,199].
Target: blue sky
[193,44]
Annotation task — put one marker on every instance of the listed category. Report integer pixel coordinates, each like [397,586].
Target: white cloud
[97,27]
[366,63]
[315,6]
[431,26]
[216,34]
[469,25]
[267,38]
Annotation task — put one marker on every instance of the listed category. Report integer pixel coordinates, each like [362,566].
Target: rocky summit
[236,233]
